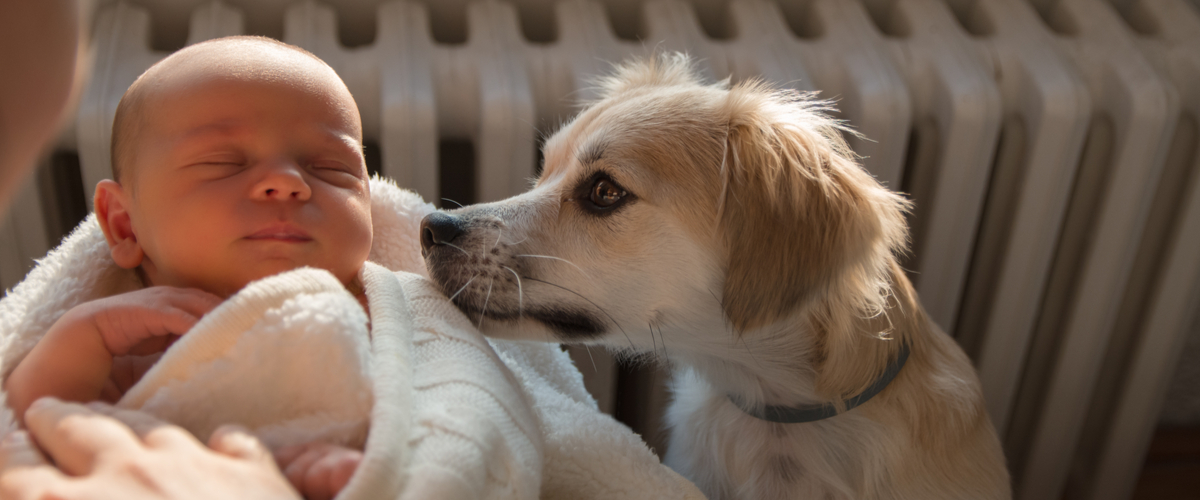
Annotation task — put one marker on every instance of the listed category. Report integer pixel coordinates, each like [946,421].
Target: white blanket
[445,413]
[288,357]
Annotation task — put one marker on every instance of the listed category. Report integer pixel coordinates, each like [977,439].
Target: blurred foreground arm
[103,453]
[40,54]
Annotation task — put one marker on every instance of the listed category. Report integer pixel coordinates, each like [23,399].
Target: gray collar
[811,413]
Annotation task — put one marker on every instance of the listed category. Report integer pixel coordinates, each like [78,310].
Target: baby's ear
[112,210]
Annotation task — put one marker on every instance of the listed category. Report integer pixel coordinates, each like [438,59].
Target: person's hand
[143,321]
[106,453]
[318,470]
[74,360]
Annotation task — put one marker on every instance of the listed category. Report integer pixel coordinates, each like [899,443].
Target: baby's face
[235,179]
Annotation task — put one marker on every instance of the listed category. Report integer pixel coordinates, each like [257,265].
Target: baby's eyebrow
[222,127]
[341,140]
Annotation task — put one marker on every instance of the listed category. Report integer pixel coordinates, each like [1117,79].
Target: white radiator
[1051,148]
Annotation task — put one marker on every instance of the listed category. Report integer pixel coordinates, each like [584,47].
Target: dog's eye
[605,193]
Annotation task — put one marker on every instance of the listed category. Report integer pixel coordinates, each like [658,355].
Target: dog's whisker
[464,287]
[663,338]
[659,357]
[719,304]
[456,247]
[520,292]
[460,205]
[483,312]
[590,358]
[499,234]
[653,342]
[556,258]
[662,341]
[601,309]
[748,351]
[714,296]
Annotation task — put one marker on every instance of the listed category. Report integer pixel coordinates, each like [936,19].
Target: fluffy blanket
[288,357]
[441,411]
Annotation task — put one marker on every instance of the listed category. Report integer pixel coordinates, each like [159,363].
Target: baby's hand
[142,321]
[318,470]
[74,360]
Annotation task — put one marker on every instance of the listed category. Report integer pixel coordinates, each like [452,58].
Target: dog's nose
[439,228]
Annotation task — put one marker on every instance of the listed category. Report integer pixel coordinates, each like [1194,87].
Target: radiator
[1051,148]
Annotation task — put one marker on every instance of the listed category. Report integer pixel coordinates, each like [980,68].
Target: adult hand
[106,453]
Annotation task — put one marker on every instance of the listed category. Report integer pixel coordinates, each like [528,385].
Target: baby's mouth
[283,232]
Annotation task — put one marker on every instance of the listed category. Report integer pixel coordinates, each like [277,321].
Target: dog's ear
[798,214]
[660,70]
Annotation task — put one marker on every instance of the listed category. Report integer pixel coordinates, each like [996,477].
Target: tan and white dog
[730,232]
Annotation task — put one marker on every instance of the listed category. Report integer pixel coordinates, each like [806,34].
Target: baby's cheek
[353,247]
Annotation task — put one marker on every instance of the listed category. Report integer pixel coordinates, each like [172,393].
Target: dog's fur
[754,254]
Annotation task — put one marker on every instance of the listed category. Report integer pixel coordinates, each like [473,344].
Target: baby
[233,160]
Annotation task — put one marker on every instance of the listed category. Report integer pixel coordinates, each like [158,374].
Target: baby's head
[235,159]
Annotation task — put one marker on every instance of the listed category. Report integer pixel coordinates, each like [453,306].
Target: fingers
[75,436]
[127,321]
[139,423]
[128,370]
[29,483]
[125,330]
[18,450]
[153,432]
[152,346]
[236,441]
[192,300]
[286,455]
[111,393]
[24,471]
[341,468]
[320,470]
[297,472]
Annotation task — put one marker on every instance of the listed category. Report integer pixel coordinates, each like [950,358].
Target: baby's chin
[227,284]
[346,276]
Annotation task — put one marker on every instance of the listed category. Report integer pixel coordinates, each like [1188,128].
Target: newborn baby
[233,160]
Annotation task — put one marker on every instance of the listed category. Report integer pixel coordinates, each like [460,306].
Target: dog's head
[669,201]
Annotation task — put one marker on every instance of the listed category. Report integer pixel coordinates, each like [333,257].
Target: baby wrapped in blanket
[236,160]
[241,215]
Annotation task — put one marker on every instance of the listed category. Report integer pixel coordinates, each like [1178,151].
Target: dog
[728,230]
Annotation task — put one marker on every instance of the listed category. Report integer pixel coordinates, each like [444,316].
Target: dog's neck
[768,366]
[797,360]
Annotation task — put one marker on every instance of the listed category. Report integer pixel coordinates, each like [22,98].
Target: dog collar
[812,413]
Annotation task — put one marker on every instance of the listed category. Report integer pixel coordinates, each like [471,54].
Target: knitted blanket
[440,411]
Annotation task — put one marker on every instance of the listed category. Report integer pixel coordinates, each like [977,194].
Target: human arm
[106,453]
[74,359]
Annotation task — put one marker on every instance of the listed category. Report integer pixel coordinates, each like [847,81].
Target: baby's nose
[278,193]
[283,183]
